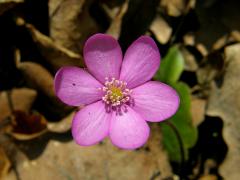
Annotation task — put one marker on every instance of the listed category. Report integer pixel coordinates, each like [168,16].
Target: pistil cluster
[116,93]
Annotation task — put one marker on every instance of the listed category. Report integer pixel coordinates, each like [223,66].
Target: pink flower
[117,92]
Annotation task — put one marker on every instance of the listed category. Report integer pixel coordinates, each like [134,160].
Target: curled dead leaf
[71,23]
[28,126]
[22,99]
[63,125]
[38,77]
[55,54]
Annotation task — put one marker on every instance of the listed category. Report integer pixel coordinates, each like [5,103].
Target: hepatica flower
[116,92]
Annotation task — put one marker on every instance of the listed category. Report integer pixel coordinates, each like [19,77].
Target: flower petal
[103,56]
[141,61]
[155,101]
[75,86]
[91,124]
[128,130]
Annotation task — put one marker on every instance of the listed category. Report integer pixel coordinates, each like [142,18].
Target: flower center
[116,92]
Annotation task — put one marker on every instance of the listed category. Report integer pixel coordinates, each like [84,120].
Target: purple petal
[76,87]
[91,124]
[103,56]
[155,101]
[140,62]
[128,130]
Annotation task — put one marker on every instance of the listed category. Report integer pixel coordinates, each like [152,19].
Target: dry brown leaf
[161,155]
[115,27]
[174,7]
[198,110]
[202,49]
[161,29]
[4,163]
[212,67]
[14,155]
[220,43]
[112,3]
[235,35]
[38,77]
[28,126]
[111,11]
[63,125]
[227,39]
[55,54]
[22,99]
[189,59]
[209,164]
[206,74]
[189,39]
[208,177]
[102,161]
[8,4]
[224,102]
[71,23]
[223,21]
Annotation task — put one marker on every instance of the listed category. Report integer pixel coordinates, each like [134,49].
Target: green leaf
[172,66]
[183,122]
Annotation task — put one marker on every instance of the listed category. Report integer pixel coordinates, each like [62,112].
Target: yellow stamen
[116,92]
